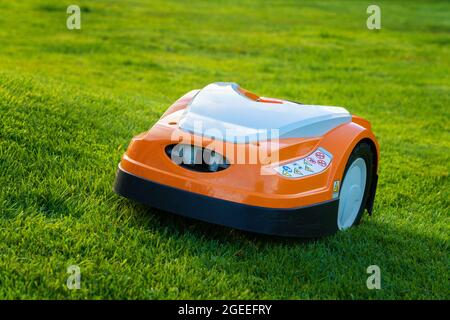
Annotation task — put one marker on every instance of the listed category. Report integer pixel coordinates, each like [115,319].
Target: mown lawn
[71,100]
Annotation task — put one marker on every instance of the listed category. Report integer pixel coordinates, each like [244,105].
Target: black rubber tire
[362,150]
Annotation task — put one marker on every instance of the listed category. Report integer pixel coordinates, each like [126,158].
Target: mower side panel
[358,130]
[342,140]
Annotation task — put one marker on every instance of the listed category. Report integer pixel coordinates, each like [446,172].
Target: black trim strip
[310,221]
[373,190]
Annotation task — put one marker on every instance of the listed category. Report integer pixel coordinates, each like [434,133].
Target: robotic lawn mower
[228,156]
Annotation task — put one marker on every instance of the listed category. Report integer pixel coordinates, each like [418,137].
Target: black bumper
[311,221]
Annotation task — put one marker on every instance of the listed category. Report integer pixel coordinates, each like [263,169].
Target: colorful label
[314,163]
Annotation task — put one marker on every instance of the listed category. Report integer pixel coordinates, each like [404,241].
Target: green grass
[70,101]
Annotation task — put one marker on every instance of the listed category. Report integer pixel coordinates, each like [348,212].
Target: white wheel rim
[352,193]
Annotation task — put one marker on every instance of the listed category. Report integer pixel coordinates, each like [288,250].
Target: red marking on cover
[322,163]
[319,155]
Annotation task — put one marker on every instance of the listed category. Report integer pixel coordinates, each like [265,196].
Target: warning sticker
[322,163]
[314,163]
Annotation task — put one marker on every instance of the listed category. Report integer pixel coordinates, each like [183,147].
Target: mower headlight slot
[196,158]
[314,163]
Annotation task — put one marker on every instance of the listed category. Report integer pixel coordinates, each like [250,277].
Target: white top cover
[219,110]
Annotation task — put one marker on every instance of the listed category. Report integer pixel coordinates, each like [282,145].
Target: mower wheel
[355,188]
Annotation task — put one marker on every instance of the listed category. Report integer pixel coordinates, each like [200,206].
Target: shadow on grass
[369,230]
[413,261]
[372,237]
[176,225]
